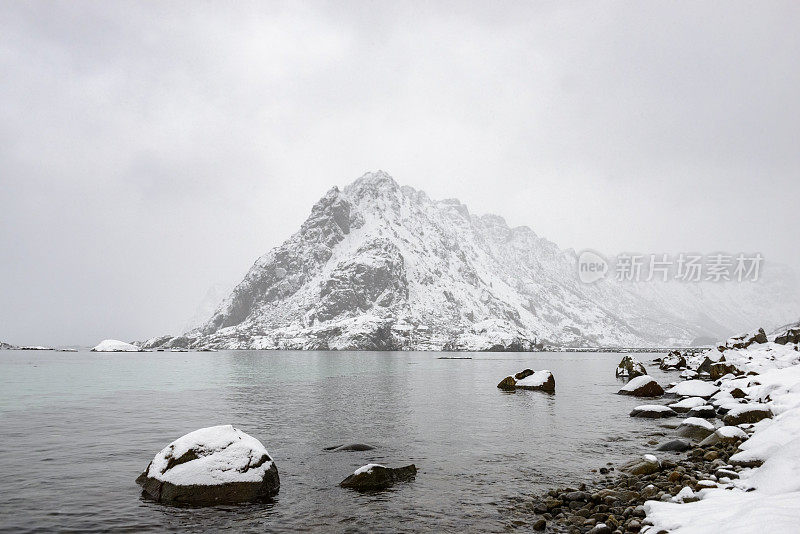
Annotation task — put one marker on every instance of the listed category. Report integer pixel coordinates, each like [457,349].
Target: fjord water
[77,428]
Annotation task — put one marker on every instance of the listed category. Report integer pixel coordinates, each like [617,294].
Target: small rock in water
[350,447]
[677,445]
[375,477]
[653,411]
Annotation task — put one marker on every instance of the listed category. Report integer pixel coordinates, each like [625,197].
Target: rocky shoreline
[701,457]
[615,502]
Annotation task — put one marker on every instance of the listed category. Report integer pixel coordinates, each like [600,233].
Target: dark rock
[642,387]
[744,340]
[507,384]
[677,445]
[378,477]
[704,412]
[738,393]
[720,369]
[350,447]
[523,374]
[540,524]
[651,412]
[792,335]
[752,414]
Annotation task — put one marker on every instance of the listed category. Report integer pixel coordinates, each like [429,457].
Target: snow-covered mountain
[380,266]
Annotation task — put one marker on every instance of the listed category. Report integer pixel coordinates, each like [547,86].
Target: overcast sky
[149,150]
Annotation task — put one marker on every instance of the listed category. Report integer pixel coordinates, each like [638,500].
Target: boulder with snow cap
[646,465]
[684,405]
[630,367]
[653,411]
[744,340]
[541,380]
[726,434]
[673,361]
[720,369]
[747,413]
[642,386]
[792,335]
[695,428]
[375,477]
[694,388]
[215,465]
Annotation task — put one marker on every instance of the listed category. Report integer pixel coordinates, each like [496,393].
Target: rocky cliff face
[379,266]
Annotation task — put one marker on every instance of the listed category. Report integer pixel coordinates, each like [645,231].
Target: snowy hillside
[380,266]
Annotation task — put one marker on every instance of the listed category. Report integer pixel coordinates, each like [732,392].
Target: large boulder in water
[642,386]
[541,380]
[630,367]
[215,465]
[374,477]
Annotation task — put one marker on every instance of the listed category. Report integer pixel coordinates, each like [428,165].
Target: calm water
[77,428]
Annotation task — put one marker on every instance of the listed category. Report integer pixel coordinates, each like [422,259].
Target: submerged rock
[642,386]
[653,411]
[630,367]
[677,445]
[350,447]
[374,477]
[215,465]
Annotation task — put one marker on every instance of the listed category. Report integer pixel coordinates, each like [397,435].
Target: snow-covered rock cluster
[380,266]
[760,408]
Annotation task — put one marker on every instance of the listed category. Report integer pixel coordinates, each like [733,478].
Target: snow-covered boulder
[214,465]
[695,428]
[642,386]
[374,477]
[747,413]
[684,405]
[653,411]
[541,380]
[113,345]
[726,434]
[694,388]
[673,361]
[744,340]
[630,367]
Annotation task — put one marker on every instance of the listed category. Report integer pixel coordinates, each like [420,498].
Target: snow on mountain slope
[379,266]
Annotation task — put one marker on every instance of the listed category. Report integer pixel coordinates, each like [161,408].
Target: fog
[150,150]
